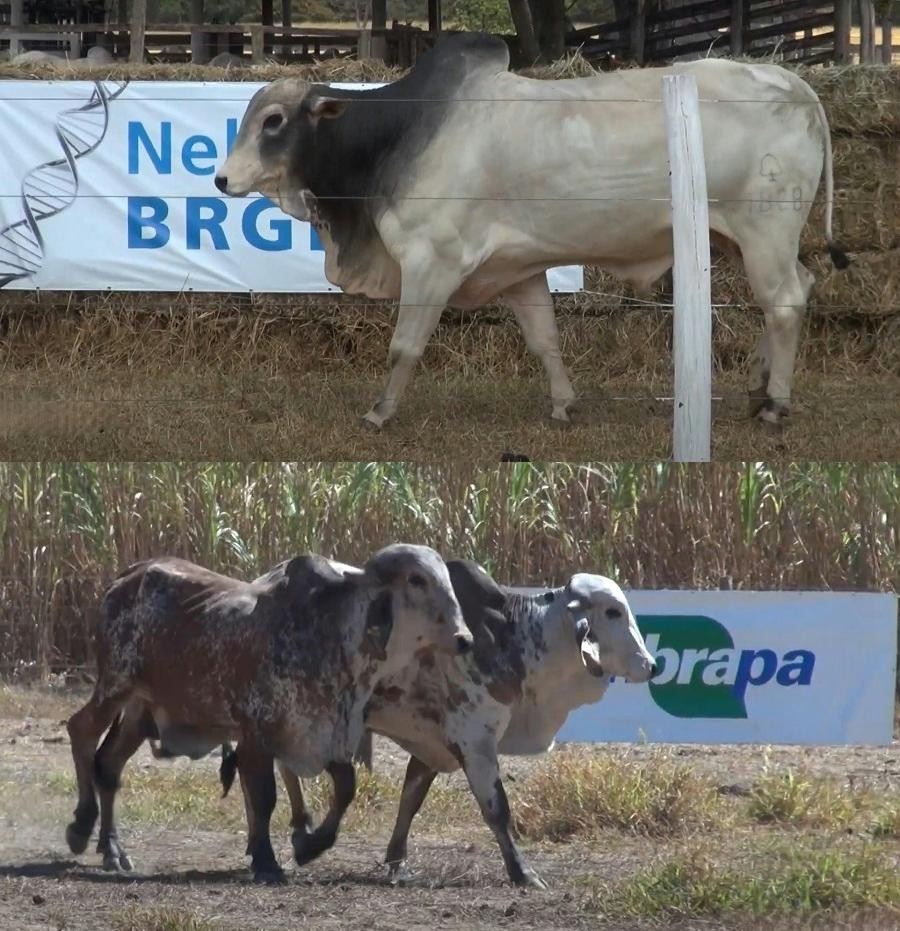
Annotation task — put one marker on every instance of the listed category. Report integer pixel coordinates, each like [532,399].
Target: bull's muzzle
[222,183]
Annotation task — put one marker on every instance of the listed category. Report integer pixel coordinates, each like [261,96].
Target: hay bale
[866,198]
[227,60]
[858,99]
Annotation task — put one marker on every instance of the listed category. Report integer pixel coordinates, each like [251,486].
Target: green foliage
[482,15]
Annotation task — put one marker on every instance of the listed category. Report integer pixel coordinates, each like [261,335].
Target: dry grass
[578,794]
[789,798]
[143,918]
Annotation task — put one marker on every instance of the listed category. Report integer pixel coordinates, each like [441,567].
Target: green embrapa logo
[703,675]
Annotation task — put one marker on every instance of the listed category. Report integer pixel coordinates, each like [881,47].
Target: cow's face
[423,608]
[610,641]
[260,160]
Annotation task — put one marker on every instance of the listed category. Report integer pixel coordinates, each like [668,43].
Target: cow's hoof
[311,846]
[76,839]
[531,880]
[563,411]
[270,876]
[398,873]
[117,863]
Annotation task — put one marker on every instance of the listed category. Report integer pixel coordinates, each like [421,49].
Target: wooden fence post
[637,28]
[737,28]
[842,32]
[692,323]
[286,22]
[16,18]
[887,47]
[257,44]
[866,32]
[138,27]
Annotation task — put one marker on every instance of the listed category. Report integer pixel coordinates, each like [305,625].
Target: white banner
[108,185]
[755,667]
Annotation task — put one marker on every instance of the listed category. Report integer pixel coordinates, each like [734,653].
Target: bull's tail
[227,768]
[837,253]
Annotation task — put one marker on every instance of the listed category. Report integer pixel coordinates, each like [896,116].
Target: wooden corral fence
[798,30]
[655,31]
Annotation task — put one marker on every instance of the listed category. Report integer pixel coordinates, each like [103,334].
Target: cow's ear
[379,623]
[327,108]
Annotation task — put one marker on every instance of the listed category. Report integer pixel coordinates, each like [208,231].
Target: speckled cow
[285,665]
[536,658]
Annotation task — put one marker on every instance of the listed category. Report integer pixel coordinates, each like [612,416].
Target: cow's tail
[837,253]
[227,768]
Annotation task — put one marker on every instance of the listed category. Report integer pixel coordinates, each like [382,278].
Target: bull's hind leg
[781,285]
[309,846]
[121,743]
[85,728]
[257,772]
[532,304]
[419,778]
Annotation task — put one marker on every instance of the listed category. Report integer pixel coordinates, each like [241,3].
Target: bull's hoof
[76,838]
[269,876]
[531,880]
[307,847]
[373,421]
[563,411]
[118,862]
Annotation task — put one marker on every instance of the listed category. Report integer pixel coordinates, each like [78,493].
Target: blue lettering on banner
[138,222]
[212,223]
[315,244]
[161,158]
[199,147]
[250,227]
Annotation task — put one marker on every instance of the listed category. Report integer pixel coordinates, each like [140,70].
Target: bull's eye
[417,581]
[272,123]
[613,613]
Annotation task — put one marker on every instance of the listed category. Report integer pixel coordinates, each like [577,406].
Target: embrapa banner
[755,667]
[109,185]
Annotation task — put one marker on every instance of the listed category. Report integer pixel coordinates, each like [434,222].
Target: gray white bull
[285,665]
[462,182]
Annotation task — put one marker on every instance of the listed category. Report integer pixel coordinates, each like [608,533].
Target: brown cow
[284,664]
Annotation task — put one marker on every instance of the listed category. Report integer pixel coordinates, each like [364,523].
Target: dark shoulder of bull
[367,150]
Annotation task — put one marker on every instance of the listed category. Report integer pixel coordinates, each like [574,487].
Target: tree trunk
[553,34]
[525,31]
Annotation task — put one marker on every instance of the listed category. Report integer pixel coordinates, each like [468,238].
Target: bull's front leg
[419,777]
[257,771]
[424,293]
[483,772]
[309,845]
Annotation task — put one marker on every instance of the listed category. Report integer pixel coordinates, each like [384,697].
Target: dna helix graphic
[50,188]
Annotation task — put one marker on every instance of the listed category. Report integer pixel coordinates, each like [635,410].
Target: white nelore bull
[463,182]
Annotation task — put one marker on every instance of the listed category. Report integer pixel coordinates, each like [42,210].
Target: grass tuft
[160,919]
[785,797]
[792,880]
[577,793]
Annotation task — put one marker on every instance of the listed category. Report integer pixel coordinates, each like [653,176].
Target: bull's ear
[379,624]
[327,108]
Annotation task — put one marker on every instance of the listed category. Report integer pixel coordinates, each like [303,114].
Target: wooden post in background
[16,18]
[887,42]
[842,32]
[737,28]
[866,32]
[138,28]
[692,323]
[286,21]
[637,28]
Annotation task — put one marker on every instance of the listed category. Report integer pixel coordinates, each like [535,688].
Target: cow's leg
[301,823]
[532,304]
[483,772]
[423,297]
[781,285]
[121,743]
[419,778]
[363,754]
[257,772]
[309,846]
[85,728]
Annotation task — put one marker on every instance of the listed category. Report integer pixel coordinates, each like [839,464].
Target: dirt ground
[186,874]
